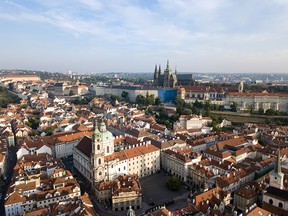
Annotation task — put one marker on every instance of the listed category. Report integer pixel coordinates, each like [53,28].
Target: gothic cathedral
[166,80]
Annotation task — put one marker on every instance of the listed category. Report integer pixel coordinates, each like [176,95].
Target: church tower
[102,145]
[277,177]
[156,75]
[97,155]
[167,76]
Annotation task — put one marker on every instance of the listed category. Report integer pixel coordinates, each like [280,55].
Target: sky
[98,36]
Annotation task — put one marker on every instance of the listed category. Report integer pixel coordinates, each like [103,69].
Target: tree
[173,183]
[150,100]
[198,104]
[175,117]
[158,101]
[221,108]
[272,112]
[180,110]
[179,101]
[114,98]
[163,114]
[234,107]
[149,111]
[140,100]
[33,123]
[207,112]
[187,112]
[207,105]
[49,131]
[188,105]
[260,111]
[195,111]
[125,96]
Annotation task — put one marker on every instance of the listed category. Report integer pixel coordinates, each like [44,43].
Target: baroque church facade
[166,80]
[97,161]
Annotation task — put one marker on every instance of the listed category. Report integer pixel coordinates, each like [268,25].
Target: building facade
[96,160]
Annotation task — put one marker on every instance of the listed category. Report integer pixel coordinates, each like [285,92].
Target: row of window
[280,204]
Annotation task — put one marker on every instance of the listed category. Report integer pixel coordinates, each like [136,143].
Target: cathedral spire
[159,71]
[156,69]
[156,75]
[167,67]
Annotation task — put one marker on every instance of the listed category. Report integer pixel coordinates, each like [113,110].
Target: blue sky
[132,35]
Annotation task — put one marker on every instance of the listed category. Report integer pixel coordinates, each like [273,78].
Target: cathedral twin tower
[166,80]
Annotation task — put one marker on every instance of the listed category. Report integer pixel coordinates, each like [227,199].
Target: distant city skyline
[97,36]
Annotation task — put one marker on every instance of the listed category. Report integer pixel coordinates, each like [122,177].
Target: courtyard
[155,193]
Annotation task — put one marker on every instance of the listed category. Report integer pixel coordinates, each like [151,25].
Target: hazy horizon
[86,36]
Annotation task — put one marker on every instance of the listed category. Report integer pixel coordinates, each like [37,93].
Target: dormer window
[48,196]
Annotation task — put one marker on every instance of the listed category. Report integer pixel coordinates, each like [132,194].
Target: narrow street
[85,187]
[12,158]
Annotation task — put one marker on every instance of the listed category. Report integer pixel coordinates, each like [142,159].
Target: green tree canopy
[49,131]
[173,183]
[125,96]
[179,101]
[158,101]
[140,100]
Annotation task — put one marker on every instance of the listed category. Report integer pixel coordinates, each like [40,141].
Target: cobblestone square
[155,192]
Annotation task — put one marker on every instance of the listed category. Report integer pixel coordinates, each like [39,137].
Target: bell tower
[167,76]
[97,155]
[276,176]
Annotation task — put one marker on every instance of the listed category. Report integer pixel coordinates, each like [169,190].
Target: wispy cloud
[178,27]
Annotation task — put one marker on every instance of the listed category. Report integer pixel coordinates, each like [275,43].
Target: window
[98,147]
[270,201]
[107,149]
[99,161]
[280,205]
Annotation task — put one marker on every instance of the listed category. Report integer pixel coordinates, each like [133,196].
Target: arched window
[270,201]
[280,205]
[98,147]
[107,149]
[99,161]
[100,173]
